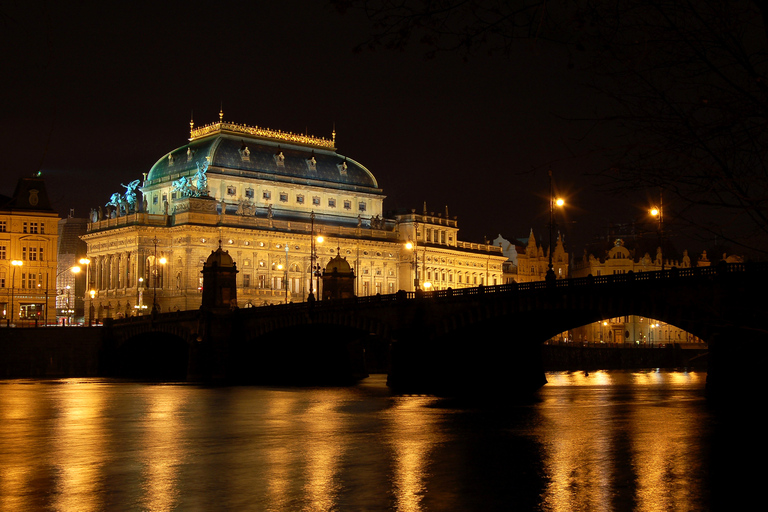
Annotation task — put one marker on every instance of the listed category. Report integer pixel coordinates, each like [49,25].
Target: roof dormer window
[280,159]
[190,154]
[170,159]
[342,168]
[312,163]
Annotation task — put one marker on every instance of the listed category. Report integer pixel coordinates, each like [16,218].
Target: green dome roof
[242,154]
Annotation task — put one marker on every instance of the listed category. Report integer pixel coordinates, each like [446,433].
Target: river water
[612,440]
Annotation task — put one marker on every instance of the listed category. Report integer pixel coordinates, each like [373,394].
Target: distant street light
[553,201]
[411,246]
[15,263]
[658,213]
[156,275]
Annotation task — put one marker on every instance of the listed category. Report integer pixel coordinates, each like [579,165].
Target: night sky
[94,94]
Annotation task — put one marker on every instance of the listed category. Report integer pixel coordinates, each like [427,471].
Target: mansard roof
[30,195]
[265,154]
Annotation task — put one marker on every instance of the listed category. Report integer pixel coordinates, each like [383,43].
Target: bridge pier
[731,374]
[467,364]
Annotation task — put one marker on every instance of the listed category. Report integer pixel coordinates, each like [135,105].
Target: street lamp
[15,263]
[139,297]
[411,246]
[154,280]
[553,201]
[658,212]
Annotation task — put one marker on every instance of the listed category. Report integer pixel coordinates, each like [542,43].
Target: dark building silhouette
[338,279]
[219,281]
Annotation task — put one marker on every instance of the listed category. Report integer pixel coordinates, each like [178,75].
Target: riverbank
[604,356]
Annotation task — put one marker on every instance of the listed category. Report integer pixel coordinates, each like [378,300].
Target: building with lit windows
[282,205]
[631,328]
[527,261]
[28,240]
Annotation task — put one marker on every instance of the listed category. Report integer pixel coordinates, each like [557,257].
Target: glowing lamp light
[654,212]
[320,239]
[560,202]
[409,245]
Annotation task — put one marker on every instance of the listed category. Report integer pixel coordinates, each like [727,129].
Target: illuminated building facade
[282,205]
[527,261]
[28,243]
[630,328]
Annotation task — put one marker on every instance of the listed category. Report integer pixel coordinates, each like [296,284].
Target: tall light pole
[15,263]
[87,263]
[285,278]
[658,212]
[156,275]
[559,202]
[311,295]
[139,296]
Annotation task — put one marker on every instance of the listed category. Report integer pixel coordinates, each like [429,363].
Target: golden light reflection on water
[413,435]
[324,448]
[163,447]
[79,448]
[18,443]
[587,436]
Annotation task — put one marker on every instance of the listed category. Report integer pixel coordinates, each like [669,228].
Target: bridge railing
[589,281]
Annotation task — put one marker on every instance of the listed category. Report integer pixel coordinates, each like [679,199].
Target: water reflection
[161,448]
[607,450]
[413,434]
[603,441]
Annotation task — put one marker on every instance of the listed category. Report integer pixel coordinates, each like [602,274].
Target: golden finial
[221,113]
[191,122]
[333,134]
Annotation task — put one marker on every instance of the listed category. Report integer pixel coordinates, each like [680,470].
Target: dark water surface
[607,441]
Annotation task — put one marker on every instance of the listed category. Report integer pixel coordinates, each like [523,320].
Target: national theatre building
[282,205]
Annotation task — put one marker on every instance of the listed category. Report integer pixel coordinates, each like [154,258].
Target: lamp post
[139,297]
[311,295]
[156,275]
[285,278]
[658,212]
[15,263]
[91,309]
[87,263]
[559,202]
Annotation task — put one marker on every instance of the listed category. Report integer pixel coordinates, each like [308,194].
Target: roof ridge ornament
[261,133]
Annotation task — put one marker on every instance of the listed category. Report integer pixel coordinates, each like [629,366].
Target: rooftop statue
[130,192]
[184,187]
[116,200]
[202,178]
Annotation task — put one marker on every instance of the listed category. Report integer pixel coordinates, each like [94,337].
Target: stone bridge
[448,340]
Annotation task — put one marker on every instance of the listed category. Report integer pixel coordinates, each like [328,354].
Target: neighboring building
[266,195]
[527,261]
[71,287]
[28,240]
[620,260]
[631,328]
